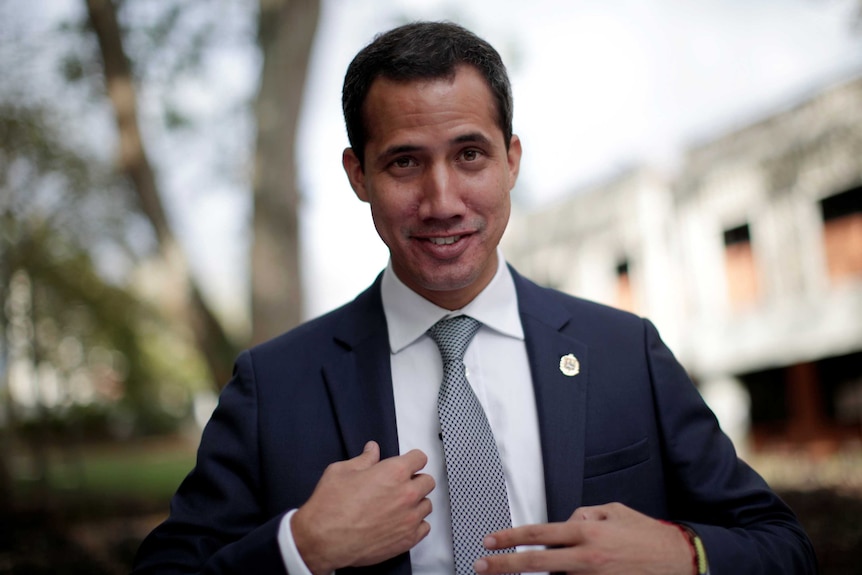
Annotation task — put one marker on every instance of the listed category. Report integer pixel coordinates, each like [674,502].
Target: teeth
[444,241]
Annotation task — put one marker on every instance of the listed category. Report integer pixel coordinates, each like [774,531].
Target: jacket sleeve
[745,527]
[217,523]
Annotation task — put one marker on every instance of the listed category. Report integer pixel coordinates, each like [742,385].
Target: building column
[806,419]
[730,401]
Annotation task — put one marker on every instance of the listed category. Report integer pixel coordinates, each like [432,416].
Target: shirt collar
[409,315]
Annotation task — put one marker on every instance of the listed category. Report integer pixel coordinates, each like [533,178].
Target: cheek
[493,204]
[496,214]
[391,217]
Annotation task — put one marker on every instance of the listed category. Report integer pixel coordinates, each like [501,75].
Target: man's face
[437,176]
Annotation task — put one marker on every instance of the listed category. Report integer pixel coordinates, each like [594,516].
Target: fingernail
[480,565]
[489,542]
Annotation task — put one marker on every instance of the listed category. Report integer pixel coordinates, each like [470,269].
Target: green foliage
[60,211]
[108,478]
[73,237]
[125,471]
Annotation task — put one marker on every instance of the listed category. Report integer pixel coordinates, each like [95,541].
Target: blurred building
[749,260]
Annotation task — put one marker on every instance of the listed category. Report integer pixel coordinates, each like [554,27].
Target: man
[330,449]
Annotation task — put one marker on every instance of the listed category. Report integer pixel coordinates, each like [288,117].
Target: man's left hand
[603,539]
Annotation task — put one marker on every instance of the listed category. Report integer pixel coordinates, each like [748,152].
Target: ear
[355,173]
[514,159]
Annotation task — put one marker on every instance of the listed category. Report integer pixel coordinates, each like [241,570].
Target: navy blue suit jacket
[630,427]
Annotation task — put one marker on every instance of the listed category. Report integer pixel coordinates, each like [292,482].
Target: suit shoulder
[579,308]
[593,307]
[309,333]
[343,328]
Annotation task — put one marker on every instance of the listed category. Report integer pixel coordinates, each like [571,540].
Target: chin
[449,282]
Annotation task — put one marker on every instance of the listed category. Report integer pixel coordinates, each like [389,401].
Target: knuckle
[402,466]
[333,469]
[402,500]
[417,490]
[591,530]
[429,481]
[582,512]
[394,465]
[414,494]
[415,516]
[423,531]
[533,533]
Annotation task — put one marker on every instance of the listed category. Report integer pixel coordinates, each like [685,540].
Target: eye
[470,155]
[403,162]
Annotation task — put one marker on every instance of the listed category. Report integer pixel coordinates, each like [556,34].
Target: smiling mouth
[444,241]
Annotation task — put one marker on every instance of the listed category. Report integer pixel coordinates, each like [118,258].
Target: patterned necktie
[477,487]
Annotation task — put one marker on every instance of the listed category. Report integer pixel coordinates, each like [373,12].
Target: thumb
[369,456]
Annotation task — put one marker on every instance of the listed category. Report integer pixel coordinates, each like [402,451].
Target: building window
[842,234]
[770,406]
[624,296]
[817,403]
[740,268]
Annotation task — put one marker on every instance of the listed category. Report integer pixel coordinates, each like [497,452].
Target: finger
[369,456]
[548,534]
[425,507]
[415,459]
[423,483]
[591,513]
[544,560]
[424,530]
[405,466]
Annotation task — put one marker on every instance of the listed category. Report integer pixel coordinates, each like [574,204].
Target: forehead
[461,96]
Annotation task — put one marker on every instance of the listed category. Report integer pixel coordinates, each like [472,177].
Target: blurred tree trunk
[6,415]
[211,338]
[286,32]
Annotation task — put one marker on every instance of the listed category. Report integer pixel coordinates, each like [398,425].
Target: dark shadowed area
[92,519]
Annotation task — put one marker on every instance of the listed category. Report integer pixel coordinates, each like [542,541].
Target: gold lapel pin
[569,365]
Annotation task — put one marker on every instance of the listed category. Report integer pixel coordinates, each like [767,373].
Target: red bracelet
[695,563]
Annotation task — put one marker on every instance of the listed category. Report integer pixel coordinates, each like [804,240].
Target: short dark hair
[421,50]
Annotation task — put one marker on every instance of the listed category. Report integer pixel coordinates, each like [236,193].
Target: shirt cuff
[289,554]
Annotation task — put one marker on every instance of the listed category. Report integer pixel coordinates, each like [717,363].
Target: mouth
[445,241]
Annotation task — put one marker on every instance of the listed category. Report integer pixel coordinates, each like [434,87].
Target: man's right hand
[364,511]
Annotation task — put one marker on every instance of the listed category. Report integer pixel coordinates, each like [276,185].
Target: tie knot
[452,335]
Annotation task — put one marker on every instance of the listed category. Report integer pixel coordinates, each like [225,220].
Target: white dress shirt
[499,372]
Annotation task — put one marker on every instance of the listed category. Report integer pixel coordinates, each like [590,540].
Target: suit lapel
[560,397]
[359,377]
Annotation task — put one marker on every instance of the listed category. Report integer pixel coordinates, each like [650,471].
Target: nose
[441,194]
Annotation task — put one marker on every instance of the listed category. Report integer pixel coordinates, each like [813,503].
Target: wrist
[699,564]
[312,554]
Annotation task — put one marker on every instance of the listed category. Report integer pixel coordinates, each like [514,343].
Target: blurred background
[171,193]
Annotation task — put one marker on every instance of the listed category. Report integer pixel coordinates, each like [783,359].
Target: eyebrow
[476,137]
[399,149]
